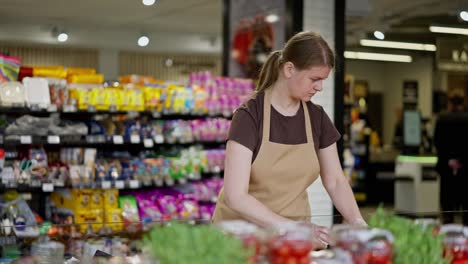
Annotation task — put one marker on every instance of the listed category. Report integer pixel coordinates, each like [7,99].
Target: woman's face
[303,84]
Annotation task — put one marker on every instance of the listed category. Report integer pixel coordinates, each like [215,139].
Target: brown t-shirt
[247,126]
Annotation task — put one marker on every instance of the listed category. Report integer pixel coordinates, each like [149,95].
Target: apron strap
[266,115]
[308,125]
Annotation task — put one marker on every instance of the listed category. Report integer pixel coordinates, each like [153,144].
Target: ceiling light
[62,37]
[143,41]
[149,2]
[397,45]
[272,18]
[379,35]
[464,15]
[377,56]
[449,30]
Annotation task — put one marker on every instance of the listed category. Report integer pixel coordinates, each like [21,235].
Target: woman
[279,142]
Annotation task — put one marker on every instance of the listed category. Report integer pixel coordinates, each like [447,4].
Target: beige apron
[280,174]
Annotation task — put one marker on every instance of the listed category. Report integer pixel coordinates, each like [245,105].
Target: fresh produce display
[413,243]
[204,244]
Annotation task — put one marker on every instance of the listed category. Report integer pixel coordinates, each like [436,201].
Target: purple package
[149,211]
[188,209]
[167,203]
[205,212]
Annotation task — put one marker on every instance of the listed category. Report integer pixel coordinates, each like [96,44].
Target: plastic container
[252,237]
[366,246]
[291,243]
[455,242]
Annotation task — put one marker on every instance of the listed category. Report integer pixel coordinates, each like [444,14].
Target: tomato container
[252,236]
[455,242]
[366,246]
[290,243]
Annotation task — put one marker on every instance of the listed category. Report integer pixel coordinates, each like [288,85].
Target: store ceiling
[401,20]
[203,16]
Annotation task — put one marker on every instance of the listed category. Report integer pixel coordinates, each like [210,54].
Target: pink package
[188,209]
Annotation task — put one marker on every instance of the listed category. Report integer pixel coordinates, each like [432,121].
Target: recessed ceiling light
[62,37]
[464,15]
[149,2]
[397,45]
[449,30]
[143,41]
[377,56]
[272,18]
[379,35]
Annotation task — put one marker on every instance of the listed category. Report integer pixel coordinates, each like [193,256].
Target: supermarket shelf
[73,112]
[127,185]
[97,141]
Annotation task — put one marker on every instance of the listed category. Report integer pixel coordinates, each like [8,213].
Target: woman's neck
[282,101]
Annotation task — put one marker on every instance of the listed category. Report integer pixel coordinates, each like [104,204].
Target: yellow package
[97,200]
[114,98]
[111,199]
[95,217]
[66,199]
[126,100]
[84,201]
[97,98]
[137,101]
[113,219]
[86,78]
[50,71]
[179,100]
[80,71]
[81,96]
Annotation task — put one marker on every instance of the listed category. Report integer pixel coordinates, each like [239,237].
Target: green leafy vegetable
[203,244]
[413,244]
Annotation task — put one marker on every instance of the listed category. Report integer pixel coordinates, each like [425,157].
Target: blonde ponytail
[270,71]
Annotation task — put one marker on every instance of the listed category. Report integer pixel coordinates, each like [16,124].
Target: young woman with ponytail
[280,142]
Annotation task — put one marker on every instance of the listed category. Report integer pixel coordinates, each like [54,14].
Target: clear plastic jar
[366,246]
[455,242]
[251,235]
[291,243]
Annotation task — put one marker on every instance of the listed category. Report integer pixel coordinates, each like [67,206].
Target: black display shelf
[98,141]
[72,112]
[123,185]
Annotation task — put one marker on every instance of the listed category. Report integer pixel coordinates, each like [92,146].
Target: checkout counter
[416,186]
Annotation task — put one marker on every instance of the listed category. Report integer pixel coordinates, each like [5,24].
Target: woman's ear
[288,69]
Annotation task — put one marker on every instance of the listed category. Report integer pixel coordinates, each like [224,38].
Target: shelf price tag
[106,185]
[119,184]
[47,187]
[53,139]
[69,108]
[135,139]
[148,142]
[52,108]
[118,140]
[26,139]
[134,184]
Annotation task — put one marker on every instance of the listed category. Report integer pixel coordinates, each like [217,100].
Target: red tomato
[291,260]
[379,259]
[304,260]
[300,248]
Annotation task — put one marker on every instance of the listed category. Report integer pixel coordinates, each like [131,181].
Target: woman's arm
[236,186]
[337,186]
